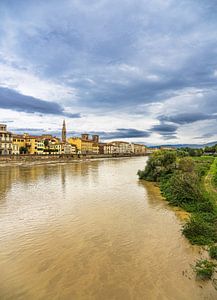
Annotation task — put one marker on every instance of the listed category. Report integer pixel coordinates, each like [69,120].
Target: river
[92,230]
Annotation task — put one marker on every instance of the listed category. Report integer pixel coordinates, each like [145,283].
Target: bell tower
[64,132]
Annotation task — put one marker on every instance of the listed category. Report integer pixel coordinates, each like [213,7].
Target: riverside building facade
[47,144]
[6,147]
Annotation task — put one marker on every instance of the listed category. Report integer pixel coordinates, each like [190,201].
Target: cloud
[164,129]
[206,135]
[120,133]
[123,133]
[13,100]
[187,118]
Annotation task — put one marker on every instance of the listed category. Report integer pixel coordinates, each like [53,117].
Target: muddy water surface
[91,230]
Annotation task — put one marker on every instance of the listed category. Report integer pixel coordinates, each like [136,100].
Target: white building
[5,140]
[15,149]
[68,149]
[121,147]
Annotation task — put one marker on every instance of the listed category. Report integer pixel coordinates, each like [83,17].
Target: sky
[142,71]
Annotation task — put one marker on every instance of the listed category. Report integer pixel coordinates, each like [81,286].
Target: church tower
[64,132]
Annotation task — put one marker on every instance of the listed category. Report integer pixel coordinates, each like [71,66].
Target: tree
[186,164]
[23,150]
[46,143]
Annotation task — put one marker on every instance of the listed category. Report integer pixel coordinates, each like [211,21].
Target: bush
[200,231]
[182,188]
[186,164]
[182,184]
[204,269]
[159,165]
[213,252]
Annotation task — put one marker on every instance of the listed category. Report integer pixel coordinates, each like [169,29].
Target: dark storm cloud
[187,118]
[122,133]
[167,131]
[164,128]
[10,99]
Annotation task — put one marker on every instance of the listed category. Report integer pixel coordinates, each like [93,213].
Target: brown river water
[92,230]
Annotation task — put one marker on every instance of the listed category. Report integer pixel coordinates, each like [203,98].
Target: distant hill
[195,146]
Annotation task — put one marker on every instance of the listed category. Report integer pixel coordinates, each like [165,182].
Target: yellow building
[28,144]
[77,142]
[95,148]
[32,143]
[85,145]
[19,141]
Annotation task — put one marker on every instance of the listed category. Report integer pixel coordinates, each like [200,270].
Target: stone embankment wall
[4,159]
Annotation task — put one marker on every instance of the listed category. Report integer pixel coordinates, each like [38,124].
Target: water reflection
[91,231]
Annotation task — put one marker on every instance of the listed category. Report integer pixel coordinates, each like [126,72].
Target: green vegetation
[214,174]
[188,179]
[23,150]
[182,182]
[213,252]
[204,269]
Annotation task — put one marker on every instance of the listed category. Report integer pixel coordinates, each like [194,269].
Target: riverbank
[183,182]
[8,160]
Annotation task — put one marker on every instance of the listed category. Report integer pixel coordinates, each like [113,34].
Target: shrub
[213,252]
[182,188]
[204,269]
[159,165]
[200,231]
[186,164]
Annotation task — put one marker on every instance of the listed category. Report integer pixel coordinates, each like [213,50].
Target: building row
[14,144]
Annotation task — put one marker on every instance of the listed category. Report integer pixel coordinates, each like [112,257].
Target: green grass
[213,172]
[210,181]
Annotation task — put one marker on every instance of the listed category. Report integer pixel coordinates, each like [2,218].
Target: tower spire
[64,132]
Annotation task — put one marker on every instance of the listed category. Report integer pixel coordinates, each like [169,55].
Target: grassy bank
[189,183]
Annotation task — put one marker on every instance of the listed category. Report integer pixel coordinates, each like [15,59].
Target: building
[138,148]
[120,147]
[52,145]
[28,144]
[101,148]
[19,142]
[85,145]
[37,145]
[76,141]
[33,144]
[40,147]
[106,148]
[68,149]
[15,149]
[5,141]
